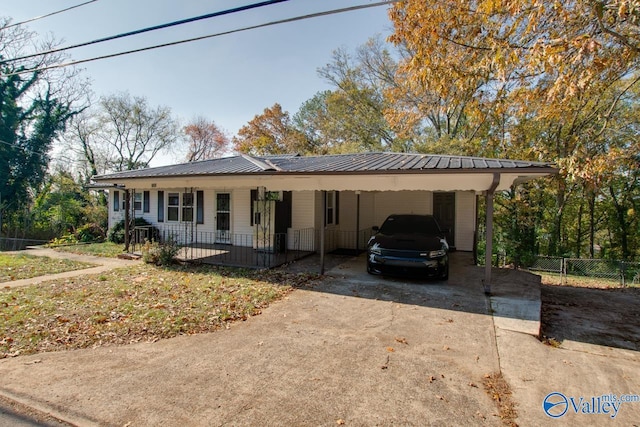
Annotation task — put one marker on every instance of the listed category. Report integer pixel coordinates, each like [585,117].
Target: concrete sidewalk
[356,349]
[102,264]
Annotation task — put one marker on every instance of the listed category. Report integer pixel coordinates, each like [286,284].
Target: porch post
[126,220]
[489,233]
[322,230]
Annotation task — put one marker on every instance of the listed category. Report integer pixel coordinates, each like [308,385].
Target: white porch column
[489,233]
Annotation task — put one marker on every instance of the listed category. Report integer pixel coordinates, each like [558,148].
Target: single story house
[262,210]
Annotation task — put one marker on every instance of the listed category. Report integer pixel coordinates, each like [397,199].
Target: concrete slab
[357,348]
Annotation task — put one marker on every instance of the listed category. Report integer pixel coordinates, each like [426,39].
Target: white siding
[465,220]
[401,202]
[303,219]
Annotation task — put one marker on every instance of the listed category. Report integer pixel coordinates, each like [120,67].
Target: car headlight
[437,254]
[375,251]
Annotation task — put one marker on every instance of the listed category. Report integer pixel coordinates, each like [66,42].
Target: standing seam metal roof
[339,163]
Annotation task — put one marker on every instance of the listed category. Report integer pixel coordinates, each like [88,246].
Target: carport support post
[489,233]
[322,230]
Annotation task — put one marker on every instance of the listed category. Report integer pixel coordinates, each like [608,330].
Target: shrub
[116,233]
[160,253]
[90,233]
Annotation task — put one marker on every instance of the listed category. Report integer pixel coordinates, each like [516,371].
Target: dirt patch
[602,316]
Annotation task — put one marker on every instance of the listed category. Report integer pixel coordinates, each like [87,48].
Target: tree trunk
[622,224]
[579,231]
[592,224]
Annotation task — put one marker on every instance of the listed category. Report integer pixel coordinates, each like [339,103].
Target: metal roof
[360,163]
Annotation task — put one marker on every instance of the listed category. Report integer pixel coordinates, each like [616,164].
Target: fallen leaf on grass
[390,349]
[402,341]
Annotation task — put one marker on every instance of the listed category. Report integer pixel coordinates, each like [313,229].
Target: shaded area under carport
[514,301]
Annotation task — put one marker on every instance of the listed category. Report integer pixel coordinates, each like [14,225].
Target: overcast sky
[229,78]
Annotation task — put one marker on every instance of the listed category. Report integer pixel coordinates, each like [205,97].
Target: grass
[133,304]
[106,249]
[23,266]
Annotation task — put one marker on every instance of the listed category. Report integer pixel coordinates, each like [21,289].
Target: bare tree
[205,139]
[132,132]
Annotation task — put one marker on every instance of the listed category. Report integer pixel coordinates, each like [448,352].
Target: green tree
[35,106]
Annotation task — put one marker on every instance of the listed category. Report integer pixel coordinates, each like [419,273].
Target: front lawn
[132,304]
[106,249]
[23,266]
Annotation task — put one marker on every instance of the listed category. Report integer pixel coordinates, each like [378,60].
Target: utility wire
[253,27]
[147,29]
[47,15]
[37,153]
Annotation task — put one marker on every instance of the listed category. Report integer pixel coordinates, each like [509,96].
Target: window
[173,206]
[146,202]
[200,207]
[160,206]
[116,201]
[187,207]
[332,207]
[137,201]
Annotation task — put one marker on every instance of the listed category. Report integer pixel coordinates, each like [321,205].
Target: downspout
[489,233]
[357,222]
[322,230]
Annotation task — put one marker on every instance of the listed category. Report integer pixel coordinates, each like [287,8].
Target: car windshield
[410,225]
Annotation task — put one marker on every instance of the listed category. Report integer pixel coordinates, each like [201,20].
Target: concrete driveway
[355,350]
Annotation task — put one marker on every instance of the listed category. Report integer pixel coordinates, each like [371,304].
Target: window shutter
[160,206]
[337,208]
[254,197]
[146,202]
[199,207]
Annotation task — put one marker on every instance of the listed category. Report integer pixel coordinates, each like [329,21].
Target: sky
[228,79]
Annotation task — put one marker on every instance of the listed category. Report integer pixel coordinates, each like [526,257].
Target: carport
[485,186]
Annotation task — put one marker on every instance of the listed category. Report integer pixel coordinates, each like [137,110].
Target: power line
[147,29]
[23,148]
[47,15]
[253,27]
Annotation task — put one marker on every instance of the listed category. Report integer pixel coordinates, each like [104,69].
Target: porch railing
[233,249]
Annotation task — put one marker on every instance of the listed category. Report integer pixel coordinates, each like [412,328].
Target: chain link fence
[623,272]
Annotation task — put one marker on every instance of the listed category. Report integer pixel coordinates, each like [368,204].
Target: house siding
[307,216]
[401,202]
[465,220]
[302,234]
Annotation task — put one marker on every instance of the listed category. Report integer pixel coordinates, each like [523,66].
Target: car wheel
[369,269]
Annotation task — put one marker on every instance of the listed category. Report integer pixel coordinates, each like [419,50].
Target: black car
[409,244]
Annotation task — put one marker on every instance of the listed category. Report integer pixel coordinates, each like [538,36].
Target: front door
[444,210]
[223,218]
